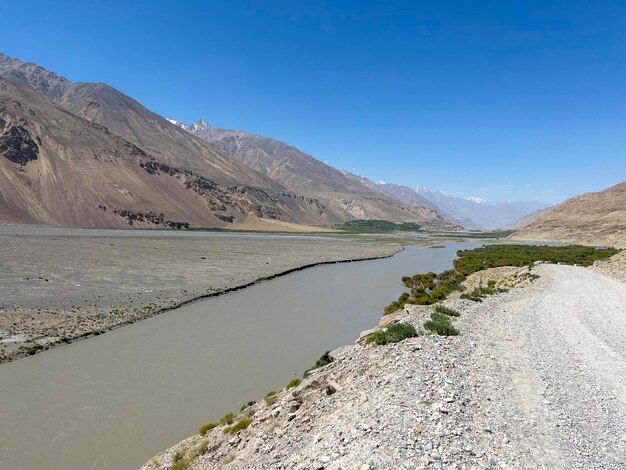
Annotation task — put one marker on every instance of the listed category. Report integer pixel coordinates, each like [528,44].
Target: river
[112,401]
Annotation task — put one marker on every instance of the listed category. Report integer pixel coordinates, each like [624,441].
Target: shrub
[480,292]
[178,456]
[430,288]
[446,311]
[228,418]
[180,465]
[207,427]
[203,448]
[441,325]
[243,424]
[293,383]
[247,405]
[392,334]
[324,360]
[270,398]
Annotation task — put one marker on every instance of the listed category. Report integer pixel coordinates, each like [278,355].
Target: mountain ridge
[181,152]
[57,168]
[472,213]
[307,175]
[594,218]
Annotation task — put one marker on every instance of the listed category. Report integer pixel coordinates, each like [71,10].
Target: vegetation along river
[113,401]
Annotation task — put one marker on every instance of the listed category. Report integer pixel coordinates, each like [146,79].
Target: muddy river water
[115,400]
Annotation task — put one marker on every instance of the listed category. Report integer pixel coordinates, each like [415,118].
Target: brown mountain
[591,219]
[59,169]
[304,174]
[170,145]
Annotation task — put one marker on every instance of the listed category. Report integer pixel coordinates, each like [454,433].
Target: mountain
[591,219]
[472,213]
[57,168]
[527,219]
[237,191]
[130,120]
[306,175]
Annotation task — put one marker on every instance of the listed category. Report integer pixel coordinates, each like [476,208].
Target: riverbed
[112,401]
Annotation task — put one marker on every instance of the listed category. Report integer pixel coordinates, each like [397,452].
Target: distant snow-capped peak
[476,199]
[380,182]
[199,125]
[424,189]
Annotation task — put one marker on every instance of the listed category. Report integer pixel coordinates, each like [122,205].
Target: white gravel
[537,379]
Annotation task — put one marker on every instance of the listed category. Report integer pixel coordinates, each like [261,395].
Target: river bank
[114,400]
[514,390]
[64,286]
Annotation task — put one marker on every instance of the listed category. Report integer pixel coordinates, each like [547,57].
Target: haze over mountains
[229,189]
[471,212]
[302,173]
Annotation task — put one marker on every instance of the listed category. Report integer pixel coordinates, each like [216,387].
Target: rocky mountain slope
[304,174]
[170,144]
[59,169]
[471,213]
[591,219]
[527,219]
[130,120]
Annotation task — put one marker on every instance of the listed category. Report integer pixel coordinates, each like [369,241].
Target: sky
[515,100]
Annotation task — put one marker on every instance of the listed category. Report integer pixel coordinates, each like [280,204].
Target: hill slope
[59,169]
[304,174]
[126,117]
[591,219]
[170,144]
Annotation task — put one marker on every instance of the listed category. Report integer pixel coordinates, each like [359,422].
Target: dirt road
[554,358]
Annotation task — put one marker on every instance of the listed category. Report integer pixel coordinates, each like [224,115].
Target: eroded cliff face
[16,143]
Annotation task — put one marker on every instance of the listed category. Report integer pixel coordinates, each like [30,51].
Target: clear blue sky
[497,99]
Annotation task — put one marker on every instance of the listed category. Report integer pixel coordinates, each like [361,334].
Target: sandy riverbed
[57,286]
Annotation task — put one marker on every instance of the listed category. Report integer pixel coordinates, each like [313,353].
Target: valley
[62,285]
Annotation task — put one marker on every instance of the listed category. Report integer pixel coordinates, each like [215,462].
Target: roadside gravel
[537,379]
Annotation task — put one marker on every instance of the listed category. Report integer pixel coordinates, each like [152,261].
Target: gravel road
[558,352]
[536,380]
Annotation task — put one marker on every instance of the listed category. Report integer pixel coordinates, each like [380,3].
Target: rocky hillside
[59,169]
[516,389]
[527,219]
[130,120]
[170,144]
[306,175]
[590,219]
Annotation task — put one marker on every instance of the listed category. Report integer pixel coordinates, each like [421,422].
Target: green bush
[243,424]
[180,465]
[480,292]
[270,398]
[441,325]
[324,360]
[293,383]
[178,456]
[228,418]
[247,405]
[392,334]
[207,427]
[430,288]
[493,256]
[447,311]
